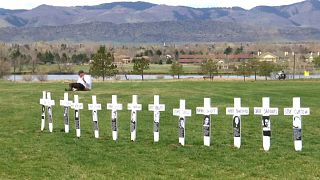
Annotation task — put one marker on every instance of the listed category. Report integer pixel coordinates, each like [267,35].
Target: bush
[160,77]
[42,77]
[4,68]
[117,78]
[169,61]
[27,77]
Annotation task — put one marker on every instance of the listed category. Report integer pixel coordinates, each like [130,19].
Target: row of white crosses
[237,111]
[296,111]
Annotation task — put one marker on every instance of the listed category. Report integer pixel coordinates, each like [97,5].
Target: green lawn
[154,68]
[27,153]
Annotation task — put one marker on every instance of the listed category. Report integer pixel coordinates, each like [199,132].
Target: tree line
[21,59]
[103,66]
[103,63]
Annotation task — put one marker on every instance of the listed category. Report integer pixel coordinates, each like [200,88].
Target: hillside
[184,31]
[146,22]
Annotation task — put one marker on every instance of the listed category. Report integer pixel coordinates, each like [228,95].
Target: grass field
[27,153]
[153,68]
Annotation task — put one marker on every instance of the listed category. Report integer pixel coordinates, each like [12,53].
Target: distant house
[234,57]
[224,61]
[222,65]
[126,60]
[268,57]
[122,59]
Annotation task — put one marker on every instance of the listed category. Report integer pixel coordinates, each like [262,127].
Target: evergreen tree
[228,50]
[103,64]
[140,64]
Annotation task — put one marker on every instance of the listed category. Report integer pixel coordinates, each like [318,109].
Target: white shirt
[87,82]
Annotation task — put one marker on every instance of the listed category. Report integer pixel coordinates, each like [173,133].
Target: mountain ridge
[166,31]
[297,17]
[133,12]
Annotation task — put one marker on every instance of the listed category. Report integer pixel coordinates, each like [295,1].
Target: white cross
[94,107]
[237,111]
[114,107]
[77,106]
[297,112]
[134,107]
[156,107]
[50,103]
[206,110]
[266,111]
[43,109]
[182,112]
[66,104]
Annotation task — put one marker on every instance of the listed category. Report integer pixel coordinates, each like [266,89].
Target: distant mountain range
[146,22]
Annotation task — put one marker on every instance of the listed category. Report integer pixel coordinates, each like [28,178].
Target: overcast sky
[247,4]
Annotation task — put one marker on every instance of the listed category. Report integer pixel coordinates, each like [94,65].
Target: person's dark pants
[77,86]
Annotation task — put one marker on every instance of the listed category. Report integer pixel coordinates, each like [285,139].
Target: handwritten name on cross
[77,107]
[114,107]
[156,107]
[134,107]
[66,104]
[237,111]
[297,112]
[206,110]
[182,113]
[94,107]
[266,112]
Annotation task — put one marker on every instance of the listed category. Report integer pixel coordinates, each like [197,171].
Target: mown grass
[27,153]
[128,68]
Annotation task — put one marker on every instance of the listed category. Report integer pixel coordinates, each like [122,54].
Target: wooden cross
[206,110]
[94,107]
[114,107]
[134,107]
[237,111]
[297,112]
[50,103]
[43,102]
[66,104]
[182,112]
[77,106]
[156,107]
[266,112]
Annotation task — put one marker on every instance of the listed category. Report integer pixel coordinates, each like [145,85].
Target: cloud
[29,4]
